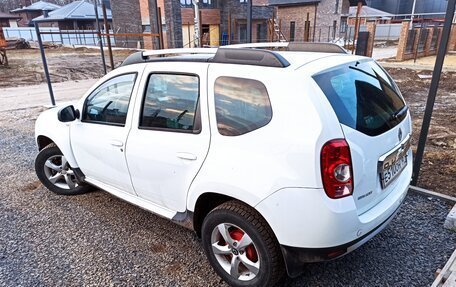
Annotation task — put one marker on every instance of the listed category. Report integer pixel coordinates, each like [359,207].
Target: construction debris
[3,57]
[447,276]
[17,43]
[46,45]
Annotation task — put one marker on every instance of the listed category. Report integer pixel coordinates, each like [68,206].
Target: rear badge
[365,195]
[399,134]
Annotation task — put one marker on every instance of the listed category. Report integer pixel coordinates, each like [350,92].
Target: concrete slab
[38,95]
[450,221]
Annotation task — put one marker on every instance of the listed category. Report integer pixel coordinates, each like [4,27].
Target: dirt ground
[438,171]
[65,64]
[439,165]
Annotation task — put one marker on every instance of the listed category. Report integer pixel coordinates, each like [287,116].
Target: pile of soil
[438,171]
[65,64]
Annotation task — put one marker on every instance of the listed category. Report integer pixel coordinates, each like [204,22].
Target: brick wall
[173,23]
[452,44]
[208,16]
[327,13]
[148,16]
[286,15]
[126,17]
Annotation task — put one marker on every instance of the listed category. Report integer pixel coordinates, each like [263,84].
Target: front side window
[171,103]
[242,105]
[108,104]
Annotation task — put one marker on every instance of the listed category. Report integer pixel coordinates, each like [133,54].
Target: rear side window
[363,96]
[242,105]
[171,103]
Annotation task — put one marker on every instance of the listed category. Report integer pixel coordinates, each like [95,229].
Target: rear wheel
[54,171]
[241,247]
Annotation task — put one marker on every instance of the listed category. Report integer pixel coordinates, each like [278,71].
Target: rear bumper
[295,258]
[311,227]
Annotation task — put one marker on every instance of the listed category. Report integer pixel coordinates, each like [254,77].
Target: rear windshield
[363,96]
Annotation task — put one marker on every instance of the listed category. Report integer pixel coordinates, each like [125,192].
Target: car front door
[169,141]
[98,138]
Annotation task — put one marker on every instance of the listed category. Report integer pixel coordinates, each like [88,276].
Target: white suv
[275,157]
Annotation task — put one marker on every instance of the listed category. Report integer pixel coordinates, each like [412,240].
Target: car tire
[56,174]
[255,260]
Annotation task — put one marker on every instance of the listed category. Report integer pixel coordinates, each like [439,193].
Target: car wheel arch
[207,202]
[43,141]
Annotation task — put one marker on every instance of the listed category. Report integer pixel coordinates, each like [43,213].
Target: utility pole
[100,39]
[197,23]
[249,21]
[433,90]
[413,14]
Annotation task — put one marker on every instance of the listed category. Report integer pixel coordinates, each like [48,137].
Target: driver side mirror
[68,114]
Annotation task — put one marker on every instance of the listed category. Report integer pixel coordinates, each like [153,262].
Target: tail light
[336,169]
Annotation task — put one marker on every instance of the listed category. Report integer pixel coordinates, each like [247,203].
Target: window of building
[343,25]
[109,103]
[171,103]
[292,30]
[337,7]
[242,105]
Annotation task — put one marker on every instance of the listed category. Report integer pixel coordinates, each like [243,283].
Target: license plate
[393,163]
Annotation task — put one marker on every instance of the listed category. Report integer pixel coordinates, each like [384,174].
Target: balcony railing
[204,4]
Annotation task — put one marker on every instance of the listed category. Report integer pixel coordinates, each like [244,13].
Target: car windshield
[363,96]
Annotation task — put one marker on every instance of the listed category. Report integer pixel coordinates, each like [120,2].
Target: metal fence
[65,37]
[383,32]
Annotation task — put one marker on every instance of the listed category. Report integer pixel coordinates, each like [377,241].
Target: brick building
[28,13]
[369,14]
[8,20]
[226,21]
[312,20]
[78,15]
[223,21]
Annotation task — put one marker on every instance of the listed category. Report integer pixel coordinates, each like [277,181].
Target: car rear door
[377,127]
[169,140]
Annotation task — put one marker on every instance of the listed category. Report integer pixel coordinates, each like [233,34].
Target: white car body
[274,169]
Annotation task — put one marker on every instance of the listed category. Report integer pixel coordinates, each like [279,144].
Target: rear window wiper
[397,115]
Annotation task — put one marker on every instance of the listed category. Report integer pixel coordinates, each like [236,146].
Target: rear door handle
[116,143]
[186,155]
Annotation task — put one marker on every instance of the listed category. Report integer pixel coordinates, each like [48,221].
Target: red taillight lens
[336,169]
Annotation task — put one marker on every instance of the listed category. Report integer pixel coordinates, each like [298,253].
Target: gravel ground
[97,239]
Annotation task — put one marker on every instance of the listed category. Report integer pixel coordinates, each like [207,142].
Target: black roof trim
[246,56]
[293,2]
[135,58]
[238,56]
[316,47]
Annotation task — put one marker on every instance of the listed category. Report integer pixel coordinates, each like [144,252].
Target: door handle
[116,143]
[186,155]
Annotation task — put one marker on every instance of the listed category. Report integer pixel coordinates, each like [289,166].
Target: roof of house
[77,10]
[367,12]
[38,6]
[8,16]
[292,2]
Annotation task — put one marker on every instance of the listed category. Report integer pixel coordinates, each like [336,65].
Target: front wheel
[241,246]
[56,174]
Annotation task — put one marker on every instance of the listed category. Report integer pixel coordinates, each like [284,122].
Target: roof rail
[295,47]
[260,45]
[143,56]
[316,47]
[179,51]
[250,57]
[221,55]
